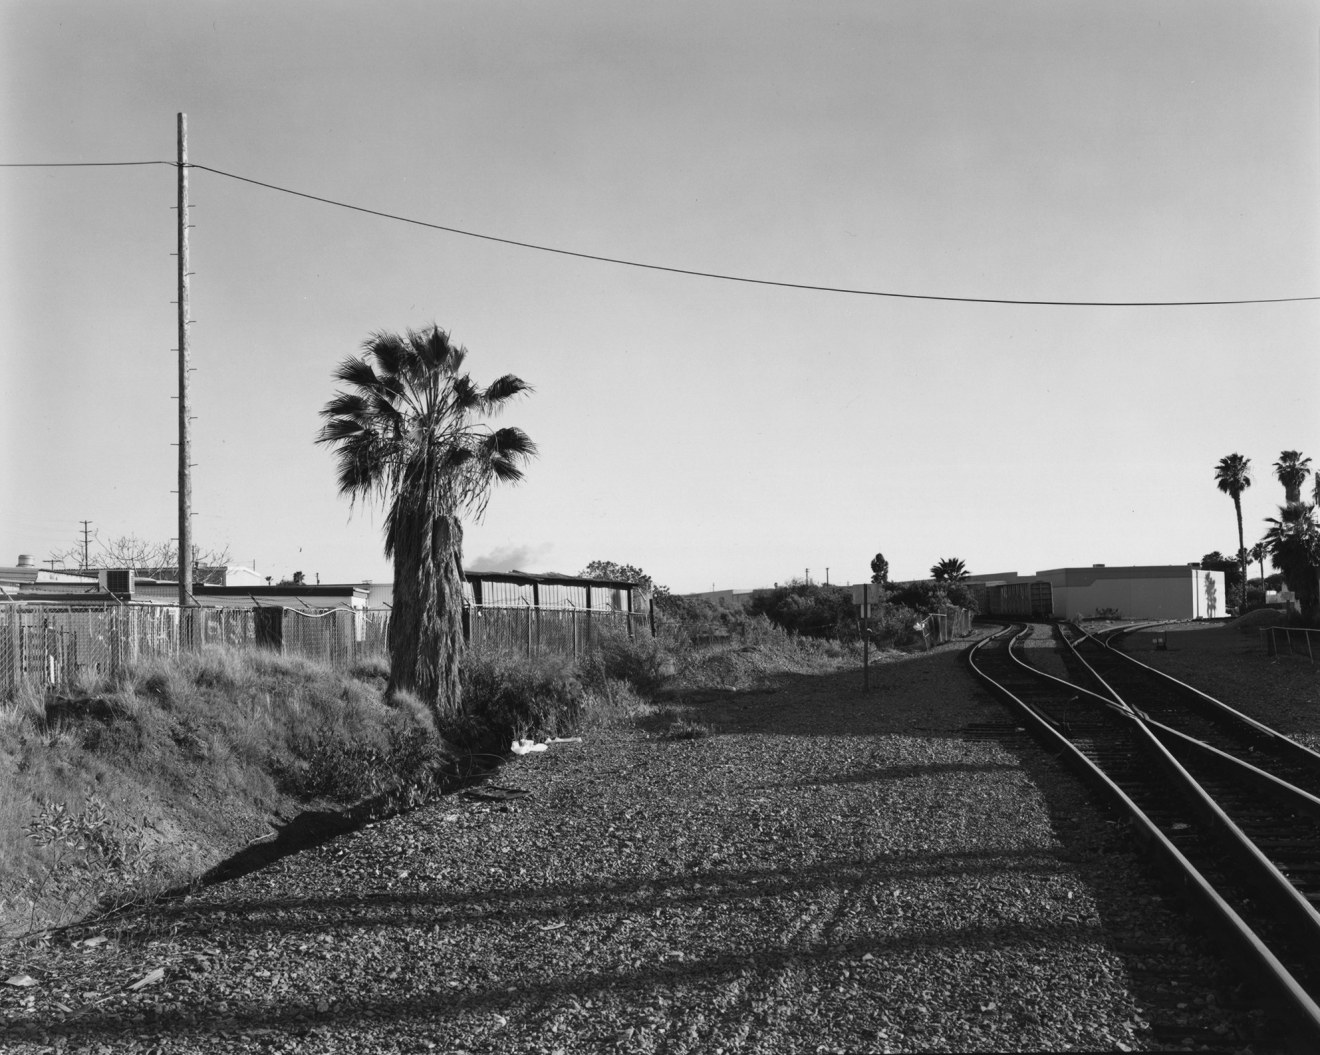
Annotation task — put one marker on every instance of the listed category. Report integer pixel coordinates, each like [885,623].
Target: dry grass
[190,759]
[209,749]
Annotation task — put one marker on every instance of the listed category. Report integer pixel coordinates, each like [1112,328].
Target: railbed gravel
[826,871]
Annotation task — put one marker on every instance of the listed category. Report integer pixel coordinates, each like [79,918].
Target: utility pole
[185,366]
[86,538]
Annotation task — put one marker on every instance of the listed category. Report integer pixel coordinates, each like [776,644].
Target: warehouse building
[1148,591]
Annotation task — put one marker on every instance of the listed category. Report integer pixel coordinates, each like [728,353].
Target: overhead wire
[77,164]
[693,272]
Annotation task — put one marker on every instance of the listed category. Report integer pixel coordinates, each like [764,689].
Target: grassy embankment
[139,784]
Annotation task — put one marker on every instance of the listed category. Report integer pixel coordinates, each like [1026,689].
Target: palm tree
[1293,542]
[405,433]
[1292,470]
[1233,475]
[1257,554]
[950,569]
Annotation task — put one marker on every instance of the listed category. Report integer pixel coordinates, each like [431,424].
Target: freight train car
[1034,598]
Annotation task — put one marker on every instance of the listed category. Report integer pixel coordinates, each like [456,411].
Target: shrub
[893,624]
[510,697]
[94,858]
[348,771]
[642,662]
[808,608]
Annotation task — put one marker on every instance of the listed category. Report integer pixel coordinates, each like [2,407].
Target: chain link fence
[53,647]
[536,631]
[946,625]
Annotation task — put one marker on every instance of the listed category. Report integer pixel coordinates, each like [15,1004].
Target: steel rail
[1177,741]
[1271,975]
[1216,710]
[1264,874]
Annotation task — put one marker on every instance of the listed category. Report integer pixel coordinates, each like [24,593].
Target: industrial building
[1145,591]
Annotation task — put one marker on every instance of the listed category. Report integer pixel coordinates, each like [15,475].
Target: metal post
[866,638]
[185,366]
[536,603]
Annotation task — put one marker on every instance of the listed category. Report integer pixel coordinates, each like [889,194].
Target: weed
[209,744]
[349,772]
[686,729]
[508,697]
[613,705]
[641,661]
[371,667]
[94,858]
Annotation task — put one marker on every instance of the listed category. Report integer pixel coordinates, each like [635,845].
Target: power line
[719,276]
[75,164]
[760,281]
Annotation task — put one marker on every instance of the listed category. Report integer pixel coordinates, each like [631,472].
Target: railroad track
[1175,705]
[1235,838]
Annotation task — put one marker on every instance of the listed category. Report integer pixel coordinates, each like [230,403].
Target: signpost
[862,599]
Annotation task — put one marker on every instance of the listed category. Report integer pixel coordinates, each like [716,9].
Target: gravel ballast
[826,871]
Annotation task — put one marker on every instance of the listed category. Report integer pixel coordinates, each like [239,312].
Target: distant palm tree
[1233,475]
[1293,542]
[1257,554]
[950,569]
[1292,470]
[405,433]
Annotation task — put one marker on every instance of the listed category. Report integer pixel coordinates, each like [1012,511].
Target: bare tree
[149,559]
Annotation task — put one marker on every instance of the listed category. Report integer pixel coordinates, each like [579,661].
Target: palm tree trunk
[441,640]
[414,595]
[426,628]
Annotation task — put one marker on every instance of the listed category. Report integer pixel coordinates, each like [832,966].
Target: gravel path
[827,871]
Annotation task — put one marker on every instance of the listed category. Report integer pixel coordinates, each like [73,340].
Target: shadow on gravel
[313,828]
[516,905]
[868,776]
[1174,973]
[438,1001]
[1145,922]
[1162,955]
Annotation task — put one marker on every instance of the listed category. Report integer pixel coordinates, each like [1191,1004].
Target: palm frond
[345,405]
[501,390]
[512,442]
[339,429]
[356,371]
[389,352]
[506,470]
[467,396]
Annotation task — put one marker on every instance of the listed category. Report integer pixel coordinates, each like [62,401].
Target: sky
[717,434]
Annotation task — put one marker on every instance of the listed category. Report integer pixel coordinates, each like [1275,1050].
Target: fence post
[15,616]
